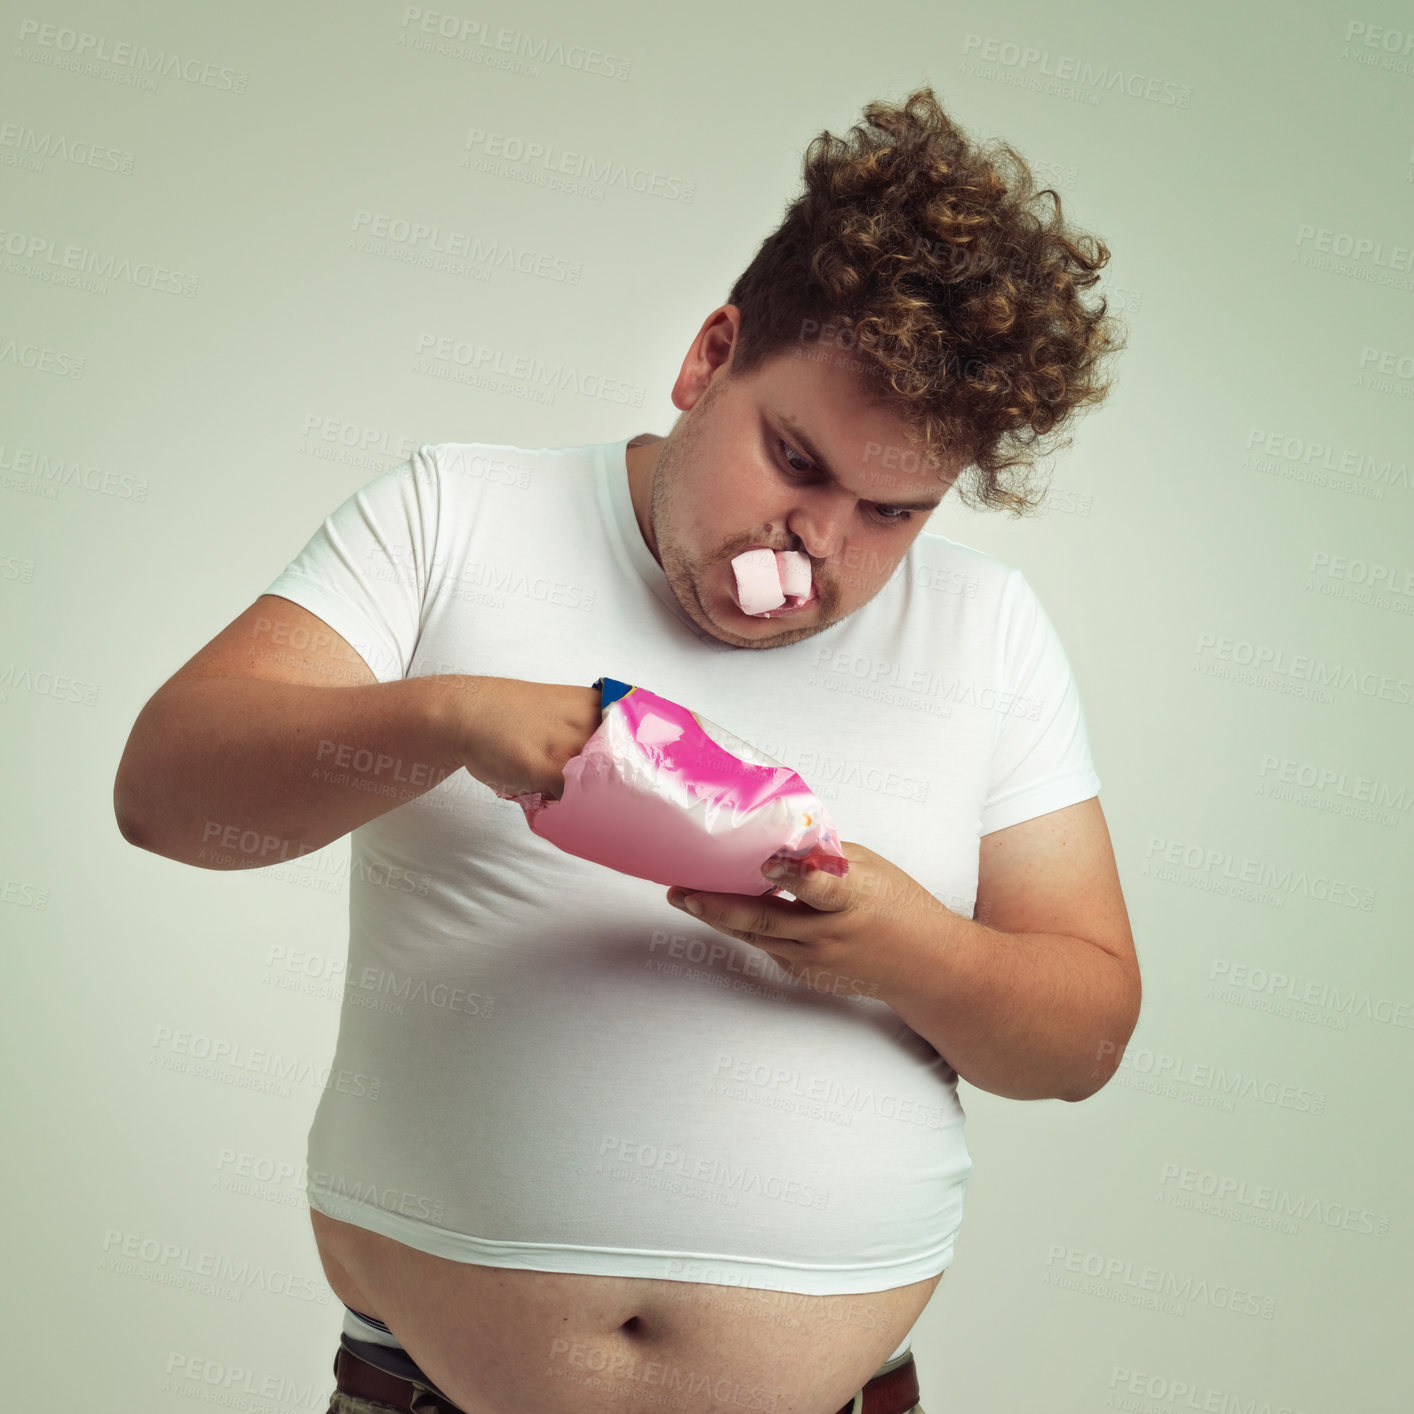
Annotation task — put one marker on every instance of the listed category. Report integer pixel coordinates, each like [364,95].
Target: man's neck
[640,478]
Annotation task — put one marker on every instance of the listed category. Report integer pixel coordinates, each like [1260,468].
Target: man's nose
[819,527]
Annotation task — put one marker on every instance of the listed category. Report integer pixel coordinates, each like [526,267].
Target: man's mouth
[794,604]
[771,584]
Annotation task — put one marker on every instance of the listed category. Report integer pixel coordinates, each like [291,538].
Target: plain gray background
[204,349]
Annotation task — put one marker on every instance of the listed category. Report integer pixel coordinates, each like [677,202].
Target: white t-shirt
[562,1072]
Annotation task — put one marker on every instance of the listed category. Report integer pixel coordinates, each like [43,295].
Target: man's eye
[888,515]
[788,452]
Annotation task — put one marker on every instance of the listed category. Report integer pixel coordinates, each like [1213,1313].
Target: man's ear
[707,363]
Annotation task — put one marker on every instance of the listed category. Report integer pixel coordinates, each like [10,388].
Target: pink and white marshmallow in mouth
[766,579]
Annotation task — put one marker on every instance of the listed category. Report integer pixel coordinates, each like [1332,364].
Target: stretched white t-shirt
[564,1073]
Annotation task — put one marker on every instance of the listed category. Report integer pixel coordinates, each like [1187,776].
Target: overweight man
[596,1145]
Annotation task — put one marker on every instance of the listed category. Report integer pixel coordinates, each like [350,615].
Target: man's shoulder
[934,553]
[462,455]
[470,468]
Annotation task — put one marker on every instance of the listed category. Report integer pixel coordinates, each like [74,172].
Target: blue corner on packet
[610,690]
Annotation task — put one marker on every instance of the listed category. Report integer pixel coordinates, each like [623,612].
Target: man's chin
[781,632]
[730,624]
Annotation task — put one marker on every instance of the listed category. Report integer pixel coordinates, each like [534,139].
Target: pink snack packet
[663,794]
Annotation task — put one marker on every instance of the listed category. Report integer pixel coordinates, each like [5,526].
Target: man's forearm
[236,773]
[1027,1015]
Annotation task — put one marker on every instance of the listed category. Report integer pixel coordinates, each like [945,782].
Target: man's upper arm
[1056,873]
[278,641]
[275,640]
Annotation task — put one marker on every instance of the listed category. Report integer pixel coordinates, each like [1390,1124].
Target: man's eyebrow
[799,435]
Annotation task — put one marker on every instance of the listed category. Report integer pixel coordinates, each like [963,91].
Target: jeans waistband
[392,1361]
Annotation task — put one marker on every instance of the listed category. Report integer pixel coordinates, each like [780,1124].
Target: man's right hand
[277,738]
[516,736]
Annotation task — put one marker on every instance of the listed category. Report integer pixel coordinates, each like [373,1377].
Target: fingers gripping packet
[663,794]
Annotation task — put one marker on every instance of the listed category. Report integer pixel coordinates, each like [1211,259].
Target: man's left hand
[863,929]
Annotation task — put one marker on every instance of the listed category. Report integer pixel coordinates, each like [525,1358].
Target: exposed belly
[500,1340]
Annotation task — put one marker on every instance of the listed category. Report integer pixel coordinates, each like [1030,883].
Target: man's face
[735,474]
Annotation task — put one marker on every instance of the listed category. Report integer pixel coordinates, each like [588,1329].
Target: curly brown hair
[926,258]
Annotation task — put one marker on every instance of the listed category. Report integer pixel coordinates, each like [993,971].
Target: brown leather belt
[390,1377]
